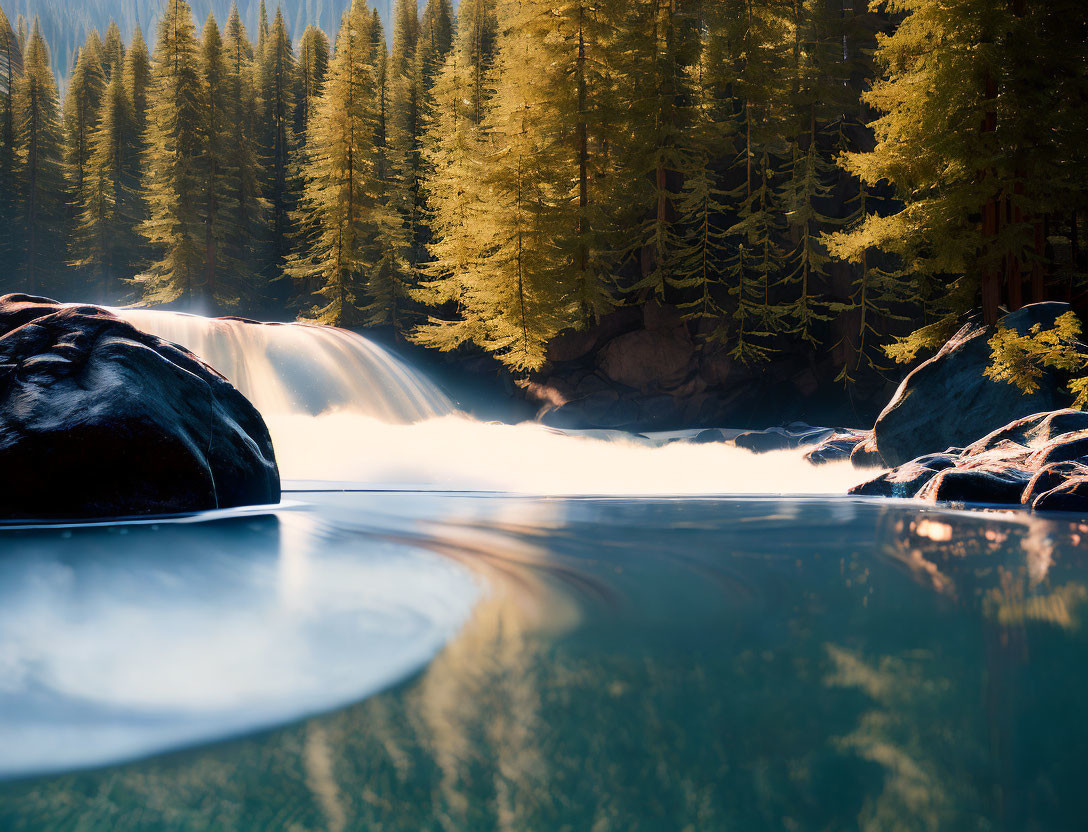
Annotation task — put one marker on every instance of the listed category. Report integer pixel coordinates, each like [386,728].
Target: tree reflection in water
[696,664]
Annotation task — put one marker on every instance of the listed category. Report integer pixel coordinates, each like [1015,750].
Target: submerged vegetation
[786,172]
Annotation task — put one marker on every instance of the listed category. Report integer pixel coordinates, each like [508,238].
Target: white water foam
[341,408]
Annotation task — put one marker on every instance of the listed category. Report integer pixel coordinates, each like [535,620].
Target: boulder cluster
[1040,462]
[1033,451]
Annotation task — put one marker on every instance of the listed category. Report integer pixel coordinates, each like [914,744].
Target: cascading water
[342,409]
[301,368]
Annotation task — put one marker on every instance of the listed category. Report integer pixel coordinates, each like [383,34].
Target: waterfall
[341,409]
[302,369]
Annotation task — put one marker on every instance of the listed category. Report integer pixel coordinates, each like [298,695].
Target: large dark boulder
[948,400]
[100,419]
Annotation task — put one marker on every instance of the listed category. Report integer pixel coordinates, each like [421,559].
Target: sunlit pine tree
[106,243]
[39,173]
[113,52]
[173,180]
[276,96]
[226,281]
[245,239]
[658,41]
[453,153]
[11,66]
[137,72]
[82,104]
[515,301]
[313,66]
[435,40]
[339,204]
[973,109]
[263,31]
[476,35]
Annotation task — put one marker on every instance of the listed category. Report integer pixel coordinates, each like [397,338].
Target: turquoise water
[429,661]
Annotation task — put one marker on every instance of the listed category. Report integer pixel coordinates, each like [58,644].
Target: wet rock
[866,455]
[778,439]
[835,448]
[1033,431]
[1050,477]
[1064,448]
[995,485]
[708,437]
[948,401]
[905,482]
[648,360]
[1071,495]
[100,419]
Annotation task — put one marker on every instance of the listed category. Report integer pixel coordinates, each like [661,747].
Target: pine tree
[339,207]
[244,238]
[276,92]
[11,66]
[516,298]
[313,66]
[405,37]
[453,158]
[263,31]
[388,284]
[137,77]
[21,33]
[818,96]
[172,177]
[223,281]
[704,204]
[82,104]
[477,31]
[972,110]
[106,243]
[405,130]
[758,34]
[435,41]
[658,43]
[40,172]
[382,97]
[113,52]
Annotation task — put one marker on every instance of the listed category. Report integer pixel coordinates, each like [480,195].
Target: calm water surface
[429,661]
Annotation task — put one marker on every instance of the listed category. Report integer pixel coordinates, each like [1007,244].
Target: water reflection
[117,641]
[674,664]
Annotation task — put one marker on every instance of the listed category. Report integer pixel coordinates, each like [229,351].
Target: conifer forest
[818,174]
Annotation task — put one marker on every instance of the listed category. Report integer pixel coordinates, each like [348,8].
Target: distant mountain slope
[65,23]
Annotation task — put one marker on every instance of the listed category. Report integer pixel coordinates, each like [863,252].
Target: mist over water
[343,409]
